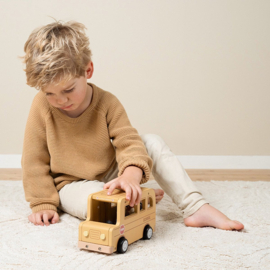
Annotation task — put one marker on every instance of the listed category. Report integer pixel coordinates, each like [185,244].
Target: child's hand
[44,215]
[129,181]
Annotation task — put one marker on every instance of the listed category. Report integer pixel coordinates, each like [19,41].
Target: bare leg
[173,179]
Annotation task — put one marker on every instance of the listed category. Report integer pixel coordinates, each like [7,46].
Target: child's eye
[68,91]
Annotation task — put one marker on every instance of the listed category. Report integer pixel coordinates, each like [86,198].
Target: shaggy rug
[173,245]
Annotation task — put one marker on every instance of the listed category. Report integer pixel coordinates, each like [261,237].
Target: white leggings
[167,171]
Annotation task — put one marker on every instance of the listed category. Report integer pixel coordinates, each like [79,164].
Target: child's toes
[159,192]
[158,198]
[236,225]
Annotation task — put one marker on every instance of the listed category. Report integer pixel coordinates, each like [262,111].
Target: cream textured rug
[173,245]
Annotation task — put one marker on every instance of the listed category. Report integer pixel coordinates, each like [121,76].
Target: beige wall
[194,72]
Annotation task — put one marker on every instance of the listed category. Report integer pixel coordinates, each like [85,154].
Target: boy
[78,139]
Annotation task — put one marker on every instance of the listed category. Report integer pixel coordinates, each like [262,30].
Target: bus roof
[116,195]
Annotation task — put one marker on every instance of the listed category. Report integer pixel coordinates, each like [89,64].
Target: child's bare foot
[208,216]
[159,194]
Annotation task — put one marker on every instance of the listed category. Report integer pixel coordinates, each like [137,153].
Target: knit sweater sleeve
[129,147]
[38,184]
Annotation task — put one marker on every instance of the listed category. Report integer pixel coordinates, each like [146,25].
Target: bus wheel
[148,232]
[122,245]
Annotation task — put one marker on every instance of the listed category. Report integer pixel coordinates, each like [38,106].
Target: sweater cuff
[138,163]
[41,207]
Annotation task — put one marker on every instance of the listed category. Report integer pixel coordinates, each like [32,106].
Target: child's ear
[89,70]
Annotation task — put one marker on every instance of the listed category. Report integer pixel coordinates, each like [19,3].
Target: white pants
[167,171]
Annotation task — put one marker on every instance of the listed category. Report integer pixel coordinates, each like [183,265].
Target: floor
[172,246]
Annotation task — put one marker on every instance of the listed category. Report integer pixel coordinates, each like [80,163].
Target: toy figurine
[112,224]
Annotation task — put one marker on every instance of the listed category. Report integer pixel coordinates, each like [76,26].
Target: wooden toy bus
[111,224]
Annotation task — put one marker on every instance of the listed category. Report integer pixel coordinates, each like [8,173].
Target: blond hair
[56,53]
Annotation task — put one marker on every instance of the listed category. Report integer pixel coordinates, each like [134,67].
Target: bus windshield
[104,212]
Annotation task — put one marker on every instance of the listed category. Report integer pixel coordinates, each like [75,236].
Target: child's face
[73,96]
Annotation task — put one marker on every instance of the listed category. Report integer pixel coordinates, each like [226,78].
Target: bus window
[150,202]
[131,211]
[142,205]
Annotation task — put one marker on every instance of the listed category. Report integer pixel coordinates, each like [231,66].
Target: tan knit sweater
[58,149]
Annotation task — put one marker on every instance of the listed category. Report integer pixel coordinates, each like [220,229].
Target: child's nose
[61,101]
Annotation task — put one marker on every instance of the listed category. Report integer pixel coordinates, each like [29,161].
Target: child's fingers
[55,218]
[133,197]
[34,218]
[112,187]
[45,219]
[128,192]
[139,195]
[107,185]
[38,219]
[31,218]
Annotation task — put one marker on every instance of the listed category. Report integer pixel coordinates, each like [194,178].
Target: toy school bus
[111,224]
